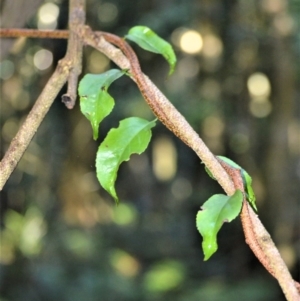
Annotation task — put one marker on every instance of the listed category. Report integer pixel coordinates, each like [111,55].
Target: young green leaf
[215,211]
[229,162]
[95,102]
[149,40]
[247,180]
[249,190]
[132,136]
[209,173]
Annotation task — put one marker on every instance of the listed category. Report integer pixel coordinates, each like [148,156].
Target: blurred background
[236,82]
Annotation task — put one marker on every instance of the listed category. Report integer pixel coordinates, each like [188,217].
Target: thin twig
[33,33]
[74,51]
[261,240]
[71,63]
[26,132]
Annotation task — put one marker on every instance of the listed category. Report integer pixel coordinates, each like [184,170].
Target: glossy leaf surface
[247,180]
[214,212]
[132,136]
[149,40]
[95,102]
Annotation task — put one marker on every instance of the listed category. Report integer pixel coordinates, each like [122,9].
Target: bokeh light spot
[188,67]
[191,42]
[124,214]
[12,88]
[212,46]
[33,230]
[107,12]
[124,263]
[97,62]
[164,276]
[259,85]
[78,243]
[164,158]
[47,16]
[260,107]
[43,59]
[284,24]
[273,6]
[9,128]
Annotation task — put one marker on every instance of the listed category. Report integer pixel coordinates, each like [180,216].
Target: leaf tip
[117,201]
[95,134]
[209,250]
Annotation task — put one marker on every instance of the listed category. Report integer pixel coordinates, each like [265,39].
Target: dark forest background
[62,236]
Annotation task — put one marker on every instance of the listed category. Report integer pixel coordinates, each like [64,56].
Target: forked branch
[256,235]
[67,69]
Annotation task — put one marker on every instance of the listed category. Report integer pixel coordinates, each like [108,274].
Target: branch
[74,51]
[68,68]
[156,101]
[258,239]
[159,104]
[256,235]
[26,132]
[33,33]
[260,242]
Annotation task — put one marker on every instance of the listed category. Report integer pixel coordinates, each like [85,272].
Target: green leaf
[229,162]
[132,136]
[95,102]
[249,190]
[215,211]
[149,40]
[209,173]
[247,180]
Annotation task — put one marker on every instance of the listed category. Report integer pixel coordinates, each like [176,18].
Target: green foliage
[164,276]
[57,272]
[216,210]
[250,196]
[132,136]
[220,208]
[247,180]
[149,40]
[95,102]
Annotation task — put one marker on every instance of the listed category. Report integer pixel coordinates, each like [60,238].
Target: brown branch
[260,242]
[167,113]
[256,235]
[74,51]
[33,33]
[70,64]
[161,106]
[21,141]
